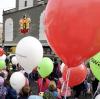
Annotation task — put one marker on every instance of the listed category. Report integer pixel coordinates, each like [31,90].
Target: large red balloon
[1,51]
[73,29]
[76,76]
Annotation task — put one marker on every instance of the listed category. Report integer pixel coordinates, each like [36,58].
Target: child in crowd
[3,90]
[51,91]
[25,92]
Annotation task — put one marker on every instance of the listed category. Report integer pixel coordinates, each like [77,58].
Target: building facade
[26,19]
[1,31]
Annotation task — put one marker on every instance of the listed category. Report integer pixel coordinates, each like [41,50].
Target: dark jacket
[11,93]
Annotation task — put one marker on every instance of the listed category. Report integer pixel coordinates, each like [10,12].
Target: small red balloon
[72,28]
[76,76]
[1,51]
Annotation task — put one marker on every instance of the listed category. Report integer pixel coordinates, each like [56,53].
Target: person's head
[52,86]
[5,74]
[55,59]
[1,74]
[26,90]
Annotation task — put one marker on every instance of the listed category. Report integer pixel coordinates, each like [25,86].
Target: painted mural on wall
[24,24]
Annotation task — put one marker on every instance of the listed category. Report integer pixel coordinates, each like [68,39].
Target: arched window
[41,27]
[9,30]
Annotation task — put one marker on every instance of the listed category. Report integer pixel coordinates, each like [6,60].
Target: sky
[6,5]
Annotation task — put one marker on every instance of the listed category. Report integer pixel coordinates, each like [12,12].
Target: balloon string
[63,86]
[68,77]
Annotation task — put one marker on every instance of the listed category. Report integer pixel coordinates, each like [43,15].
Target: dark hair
[2,74]
[26,75]
[26,90]
[44,81]
[55,59]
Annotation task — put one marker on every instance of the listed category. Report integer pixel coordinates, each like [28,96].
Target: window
[42,27]
[25,4]
[9,29]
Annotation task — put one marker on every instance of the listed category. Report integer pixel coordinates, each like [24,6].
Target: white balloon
[3,57]
[29,52]
[97,97]
[35,97]
[17,81]
[14,60]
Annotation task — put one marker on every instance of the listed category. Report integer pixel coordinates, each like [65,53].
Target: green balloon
[45,67]
[95,65]
[2,64]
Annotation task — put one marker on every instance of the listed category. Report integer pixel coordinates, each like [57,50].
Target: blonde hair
[52,86]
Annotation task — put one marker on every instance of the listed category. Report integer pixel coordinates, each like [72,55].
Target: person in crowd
[43,84]
[32,78]
[2,74]
[48,95]
[56,74]
[5,74]
[49,88]
[3,90]
[11,93]
[51,91]
[25,92]
[78,89]
[34,75]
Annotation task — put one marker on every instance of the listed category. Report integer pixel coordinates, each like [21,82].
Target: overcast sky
[6,5]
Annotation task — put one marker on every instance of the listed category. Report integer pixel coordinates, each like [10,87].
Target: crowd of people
[51,87]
